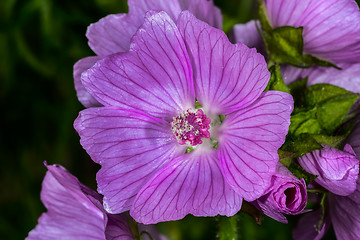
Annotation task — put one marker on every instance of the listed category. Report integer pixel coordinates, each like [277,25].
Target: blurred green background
[40,40]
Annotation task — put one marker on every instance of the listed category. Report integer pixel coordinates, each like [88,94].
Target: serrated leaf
[276,81]
[318,93]
[333,112]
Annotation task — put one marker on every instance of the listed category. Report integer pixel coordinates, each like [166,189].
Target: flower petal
[205,10]
[227,76]
[337,170]
[331,27]
[348,77]
[306,228]
[249,35]
[287,195]
[138,8]
[81,66]
[344,213]
[154,77]
[249,140]
[192,183]
[131,146]
[112,34]
[74,211]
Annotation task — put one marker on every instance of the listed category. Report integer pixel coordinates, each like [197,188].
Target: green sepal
[276,81]
[315,94]
[333,113]
[263,17]
[227,228]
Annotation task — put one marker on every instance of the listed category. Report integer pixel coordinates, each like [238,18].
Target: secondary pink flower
[112,34]
[149,120]
[286,195]
[343,211]
[75,211]
[337,170]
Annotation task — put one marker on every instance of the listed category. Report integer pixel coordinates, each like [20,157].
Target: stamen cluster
[190,126]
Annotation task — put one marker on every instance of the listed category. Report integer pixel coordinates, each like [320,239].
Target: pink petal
[337,170]
[205,10]
[138,8]
[227,76]
[112,34]
[81,66]
[331,27]
[74,210]
[344,213]
[131,146]
[249,35]
[249,140]
[306,228]
[190,184]
[287,195]
[348,77]
[154,77]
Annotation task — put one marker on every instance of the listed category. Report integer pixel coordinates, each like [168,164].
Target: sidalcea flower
[342,211]
[165,147]
[112,34]
[286,195]
[75,211]
[337,170]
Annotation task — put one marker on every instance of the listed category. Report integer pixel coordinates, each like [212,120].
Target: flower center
[190,126]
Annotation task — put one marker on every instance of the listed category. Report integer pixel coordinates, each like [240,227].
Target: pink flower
[286,195]
[149,122]
[75,211]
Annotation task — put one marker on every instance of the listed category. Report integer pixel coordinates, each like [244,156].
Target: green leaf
[253,212]
[333,112]
[317,93]
[332,141]
[227,228]
[301,145]
[276,81]
[305,122]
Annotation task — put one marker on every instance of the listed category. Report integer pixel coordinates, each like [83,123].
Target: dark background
[40,40]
